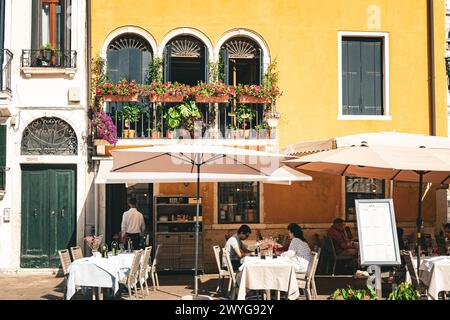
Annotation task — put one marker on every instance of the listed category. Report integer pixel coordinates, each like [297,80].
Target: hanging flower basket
[253,99]
[217,99]
[113,98]
[166,98]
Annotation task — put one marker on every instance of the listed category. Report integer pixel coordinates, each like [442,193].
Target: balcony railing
[49,59]
[5,74]
[215,123]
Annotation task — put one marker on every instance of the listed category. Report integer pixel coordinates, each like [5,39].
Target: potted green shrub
[173,119]
[244,115]
[404,291]
[352,294]
[262,131]
[189,114]
[45,54]
[232,132]
[130,115]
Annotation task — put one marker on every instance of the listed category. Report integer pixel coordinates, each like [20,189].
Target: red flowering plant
[166,89]
[104,127]
[212,89]
[122,88]
[260,92]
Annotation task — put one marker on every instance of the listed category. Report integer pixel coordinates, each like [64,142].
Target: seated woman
[298,252]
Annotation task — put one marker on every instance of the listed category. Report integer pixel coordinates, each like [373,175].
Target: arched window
[242,59]
[186,60]
[49,136]
[128,58]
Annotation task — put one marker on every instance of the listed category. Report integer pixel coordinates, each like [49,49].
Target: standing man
[133,224]
[236,247]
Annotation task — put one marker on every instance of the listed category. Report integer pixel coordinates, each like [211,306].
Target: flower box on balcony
[253,99]
[166,98]
[217,99]
[114,98]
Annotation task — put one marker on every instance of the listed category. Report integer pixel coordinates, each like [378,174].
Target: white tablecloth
[98,272]
[435,274]
[270,274]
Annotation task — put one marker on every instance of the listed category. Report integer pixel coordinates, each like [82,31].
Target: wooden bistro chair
[64,257]
[76,253]
[153,268]
[223,274]
[143,271]
[305,280]
[232,274]
[337,257]
[131,279]
[411,269]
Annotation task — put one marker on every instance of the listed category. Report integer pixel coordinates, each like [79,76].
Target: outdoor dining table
[268,274]
[98,272]
[435,274]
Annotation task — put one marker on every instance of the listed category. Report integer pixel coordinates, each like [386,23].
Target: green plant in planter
[351,294]
[189,114]
[173,118]
[404,291]
[244,115]
[131,113]
[155,73]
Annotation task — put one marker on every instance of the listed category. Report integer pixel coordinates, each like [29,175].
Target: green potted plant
[232,132]
[352,294]
[154,133]
[46,54]
[262,131]
[244,116]
[130,115]
[189,114]
[173,119]
[404,291]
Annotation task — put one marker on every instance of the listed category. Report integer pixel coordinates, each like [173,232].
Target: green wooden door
[48,214]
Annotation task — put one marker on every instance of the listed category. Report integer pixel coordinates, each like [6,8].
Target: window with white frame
[363,74]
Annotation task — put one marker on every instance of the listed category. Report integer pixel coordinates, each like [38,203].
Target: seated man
[236,247]
[341,243]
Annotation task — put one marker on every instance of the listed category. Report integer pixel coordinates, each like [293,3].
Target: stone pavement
[48,286]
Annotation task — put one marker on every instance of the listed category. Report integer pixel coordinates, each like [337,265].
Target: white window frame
[386,106]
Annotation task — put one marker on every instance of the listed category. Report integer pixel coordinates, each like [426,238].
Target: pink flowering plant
[94,242]
[122,88]
[166,89]
[212,89]
[104,127]
[258,91]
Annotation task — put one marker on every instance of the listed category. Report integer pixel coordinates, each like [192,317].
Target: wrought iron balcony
[5,74]
[151,123]
[43,58]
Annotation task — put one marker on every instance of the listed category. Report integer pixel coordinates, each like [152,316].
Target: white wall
[42,96]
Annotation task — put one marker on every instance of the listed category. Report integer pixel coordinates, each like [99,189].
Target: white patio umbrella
[197,159]
[417,164]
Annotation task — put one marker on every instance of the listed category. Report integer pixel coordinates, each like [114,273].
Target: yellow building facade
[308,40]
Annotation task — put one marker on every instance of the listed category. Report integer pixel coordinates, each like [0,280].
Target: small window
[239,202]
[363,76]
[361,188]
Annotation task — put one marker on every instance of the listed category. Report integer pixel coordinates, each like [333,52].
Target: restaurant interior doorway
[116,204]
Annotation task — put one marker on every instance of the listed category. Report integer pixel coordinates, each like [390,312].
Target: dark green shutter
[362,76]
[113,65]
[205,61]
[226,66]
[134,71]
[2,157]
[167,63]
[260,74]
[65,26]
[36,24]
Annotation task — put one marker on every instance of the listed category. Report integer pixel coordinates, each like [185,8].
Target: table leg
[267,297]
[100,294]
[278,295]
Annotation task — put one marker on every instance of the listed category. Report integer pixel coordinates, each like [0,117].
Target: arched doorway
[48,207]
[186,60]
[128,57]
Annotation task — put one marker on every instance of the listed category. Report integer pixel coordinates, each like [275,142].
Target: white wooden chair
[232,274]
[76,253]
[223,274]
[153,268]
[131,279]
[64,257]
[143,271]
[304,280]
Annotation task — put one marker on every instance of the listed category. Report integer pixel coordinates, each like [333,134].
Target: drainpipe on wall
[431,67]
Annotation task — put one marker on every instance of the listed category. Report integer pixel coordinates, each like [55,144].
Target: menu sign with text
[377,231]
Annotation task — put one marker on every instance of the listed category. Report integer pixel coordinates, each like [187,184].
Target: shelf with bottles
[179,200]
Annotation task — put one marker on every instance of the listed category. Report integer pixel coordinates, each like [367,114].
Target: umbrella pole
[197,230]
[419,219]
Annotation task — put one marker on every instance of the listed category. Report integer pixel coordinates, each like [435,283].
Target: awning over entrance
[283,175]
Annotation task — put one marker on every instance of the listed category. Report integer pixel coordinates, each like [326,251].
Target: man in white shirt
[133,224]
[236,247]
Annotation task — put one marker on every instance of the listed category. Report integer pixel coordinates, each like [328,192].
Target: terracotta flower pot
[155,134]
[252,99]
[113,98]
[217,99]
[170,134]
[129,134]
[165,98]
